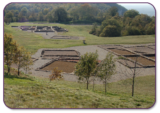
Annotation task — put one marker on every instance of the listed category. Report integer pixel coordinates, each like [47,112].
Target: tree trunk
[8,69]
[134,77]
[18,71]
[105,87]
[133,85]
[93,84]
[87,82]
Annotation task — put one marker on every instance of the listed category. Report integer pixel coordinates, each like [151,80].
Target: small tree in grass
[22,58]
[86,66]
[27,61]
[56,74]
[106,69]
[131,71]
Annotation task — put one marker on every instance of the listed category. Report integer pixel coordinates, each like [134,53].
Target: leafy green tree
[113,11]
[150,28]
[49,17]
[110,28]
[45,11]
[106,69]
[93,30]
[40,16]
[8,17]
[131,13]
[86,66]
[110,31]
[60,15]
[133,30]
[24,11]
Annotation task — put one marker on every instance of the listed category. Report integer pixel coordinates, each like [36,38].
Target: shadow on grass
[6,75]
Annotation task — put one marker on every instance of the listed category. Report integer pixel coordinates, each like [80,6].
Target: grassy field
[29,92]
[33,42]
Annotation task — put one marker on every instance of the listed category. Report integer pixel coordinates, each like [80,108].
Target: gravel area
[122,71]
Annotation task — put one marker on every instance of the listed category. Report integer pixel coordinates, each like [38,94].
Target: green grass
[29,92]
[33,42]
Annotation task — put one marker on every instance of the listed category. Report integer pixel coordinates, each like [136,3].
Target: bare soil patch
[121,51]
[152,46]
[142,50]
[143,61]
[62,65]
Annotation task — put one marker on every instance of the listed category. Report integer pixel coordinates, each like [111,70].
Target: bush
[110,27]
[133,31]
[110,31]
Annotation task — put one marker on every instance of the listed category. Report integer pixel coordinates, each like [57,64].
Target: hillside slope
[29,92]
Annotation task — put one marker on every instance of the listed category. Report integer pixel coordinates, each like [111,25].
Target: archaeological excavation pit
[65,66]
[44,29]
[151,56]
[142,50]
[120,51]
[152,47]
[143,61]
[60,54]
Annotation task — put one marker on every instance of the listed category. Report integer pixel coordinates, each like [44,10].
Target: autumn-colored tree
[10,47]
[86,66]
[56,74]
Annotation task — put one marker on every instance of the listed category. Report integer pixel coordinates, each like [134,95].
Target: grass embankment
[28,92]
[33,42]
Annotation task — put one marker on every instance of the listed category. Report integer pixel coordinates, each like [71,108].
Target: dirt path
[122,71]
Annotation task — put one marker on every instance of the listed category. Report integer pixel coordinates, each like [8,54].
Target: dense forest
[131,23]
[62,12]
[114,20]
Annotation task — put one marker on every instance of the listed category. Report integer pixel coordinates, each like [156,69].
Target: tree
[55,74]
[27,61]
[110,31]
[86,66]
[22,59]
[10,47]
[131,13]
[45,11]
[24,11]
[60,15]
[93,30]
[110,28]
[113,11]
[40,16]
[8,17]
[106,69]
[130,71]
